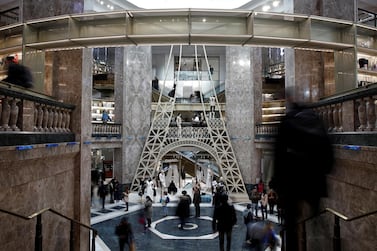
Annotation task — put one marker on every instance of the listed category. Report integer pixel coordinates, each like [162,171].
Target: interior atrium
[195,90]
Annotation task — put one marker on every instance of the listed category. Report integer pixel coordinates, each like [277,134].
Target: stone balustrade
[22,110]
[355,111]
[267,129]
[109,129]
[351,112]
[188,132]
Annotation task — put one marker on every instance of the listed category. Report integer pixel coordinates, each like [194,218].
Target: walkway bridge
[184,26]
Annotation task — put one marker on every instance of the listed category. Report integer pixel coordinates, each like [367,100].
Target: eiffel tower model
[211,136]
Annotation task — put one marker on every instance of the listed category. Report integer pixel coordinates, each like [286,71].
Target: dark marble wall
[34,9]
[32,180]
[305,70]
[352,191]
[343,9]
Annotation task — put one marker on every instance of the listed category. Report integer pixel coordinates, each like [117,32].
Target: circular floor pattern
[195,228]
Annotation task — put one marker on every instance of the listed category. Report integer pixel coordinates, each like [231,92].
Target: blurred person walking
[303,158]
[183,208]
[125,235]
[224,218]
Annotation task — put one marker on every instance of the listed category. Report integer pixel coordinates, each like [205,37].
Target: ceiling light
[275,3]
[266,8]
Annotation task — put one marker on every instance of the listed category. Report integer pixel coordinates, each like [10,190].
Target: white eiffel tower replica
[212,137]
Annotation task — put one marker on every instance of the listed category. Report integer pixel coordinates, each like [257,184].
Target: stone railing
[109,129]
[188,133]
[354,111]
[23,110]
[350,113]
[266,129]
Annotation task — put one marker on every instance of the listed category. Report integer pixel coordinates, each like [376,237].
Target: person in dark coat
[172,189]
[125,234]
[197,200]
[148,210]
[303,157]
[102,192]
[18,74]
[224,218]
[183,208]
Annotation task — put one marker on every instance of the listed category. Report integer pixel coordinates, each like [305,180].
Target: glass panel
[50,30]
[35,60]
[366,37]
[345,73]
[112,24]
[282,26]
[219,25]
[160,25]
[331,31]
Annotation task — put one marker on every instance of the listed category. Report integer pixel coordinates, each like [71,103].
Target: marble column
[243,89]
[71,81]
[305,69]
[133,97]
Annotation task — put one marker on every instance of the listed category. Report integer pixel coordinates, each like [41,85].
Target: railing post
[38,234]
[72,237]
[282,235]
[336,238]
[94,240]
[303,236]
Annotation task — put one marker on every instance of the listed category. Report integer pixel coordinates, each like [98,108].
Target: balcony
[28,117]
[106,130]
[350,117]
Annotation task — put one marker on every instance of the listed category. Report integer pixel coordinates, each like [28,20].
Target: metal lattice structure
[213,138]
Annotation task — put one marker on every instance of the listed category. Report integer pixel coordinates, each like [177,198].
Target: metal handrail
[338,215]
[38,237]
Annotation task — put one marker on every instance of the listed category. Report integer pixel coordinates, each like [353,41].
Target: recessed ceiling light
[266,8]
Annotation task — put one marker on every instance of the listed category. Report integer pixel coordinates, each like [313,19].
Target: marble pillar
[133,97]
[243,90]
[306,70]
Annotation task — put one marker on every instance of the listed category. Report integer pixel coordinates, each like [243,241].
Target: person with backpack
[125,235]
[303,158]
[247,217]
[255,197]
[262,236]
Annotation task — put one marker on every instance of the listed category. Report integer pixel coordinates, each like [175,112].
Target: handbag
[132,246]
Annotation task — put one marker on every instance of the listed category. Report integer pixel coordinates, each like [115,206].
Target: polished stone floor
[164,233]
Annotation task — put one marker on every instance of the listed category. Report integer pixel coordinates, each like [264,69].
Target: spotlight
[266,8]
[275,3]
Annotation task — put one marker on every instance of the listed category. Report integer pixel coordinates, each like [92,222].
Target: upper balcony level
[183,26]
[28,117]
[350,118]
